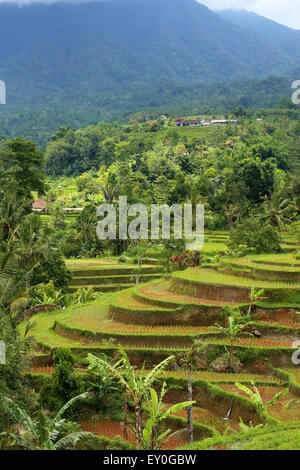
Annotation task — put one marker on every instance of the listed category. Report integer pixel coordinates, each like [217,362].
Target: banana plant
[40,432]
[85,295]
[254,296]
[136,386]
[44,299]
[256,398]
[232,332]
[154,434]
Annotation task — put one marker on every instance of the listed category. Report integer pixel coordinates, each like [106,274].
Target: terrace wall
[216,292]
[187,315]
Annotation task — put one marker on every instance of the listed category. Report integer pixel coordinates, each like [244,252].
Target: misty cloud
[283,11]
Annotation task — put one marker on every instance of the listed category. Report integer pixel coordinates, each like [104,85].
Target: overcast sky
[286,12]
[283,11]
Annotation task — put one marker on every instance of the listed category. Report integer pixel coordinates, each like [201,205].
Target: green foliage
[232,331]
[11,373]
[64,384]
[245,428]
[154,435]
[138,388]
[84,295]
[21,163]
[108,395]
[44,433]
[161,71]
[86,230]
[250,236]
[256,398]
[283,436]
[52,267]
[276,211]
[47,294]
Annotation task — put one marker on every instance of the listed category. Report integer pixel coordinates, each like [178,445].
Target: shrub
[52,267]
[64,384]
[251,237]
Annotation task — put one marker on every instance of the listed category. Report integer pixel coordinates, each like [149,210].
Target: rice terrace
[165,315]
[149,230]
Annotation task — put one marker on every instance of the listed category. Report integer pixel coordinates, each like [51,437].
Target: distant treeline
[40,122]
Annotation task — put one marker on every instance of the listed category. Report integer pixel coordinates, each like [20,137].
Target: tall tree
[21,164]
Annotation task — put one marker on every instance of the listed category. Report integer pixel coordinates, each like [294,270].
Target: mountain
[286,38]
[75,50]
[79,63]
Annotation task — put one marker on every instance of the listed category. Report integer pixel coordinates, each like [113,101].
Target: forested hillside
[286,38]
[82,63]
[72,49]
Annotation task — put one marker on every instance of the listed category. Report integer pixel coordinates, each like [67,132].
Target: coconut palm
[86,227]
[29,241]
[11,211]
[232,212]
[276,211]
[109,191]
[41,432]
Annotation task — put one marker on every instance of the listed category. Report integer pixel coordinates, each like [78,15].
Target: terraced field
[261,269]
[161,292]
[108,275]
[273,437]
[210,276]
[165,316]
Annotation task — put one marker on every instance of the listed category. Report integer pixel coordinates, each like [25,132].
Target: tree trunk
[27,284]
[86,245]
[125,410]
[138,427]
[153,439]
[230,363]
[139,270]
[190,408]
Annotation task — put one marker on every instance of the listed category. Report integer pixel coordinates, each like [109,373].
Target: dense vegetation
[75,348]
[233,170]
[143,344]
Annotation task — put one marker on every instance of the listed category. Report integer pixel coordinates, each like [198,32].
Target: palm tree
[136,386]
[11,211]
[109,191]
[232,213]
[277,211]
[28,243]
[296,204]
[86,226]
[232,332]
[42,433]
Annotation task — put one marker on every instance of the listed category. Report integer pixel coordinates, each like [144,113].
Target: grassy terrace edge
[210,276]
